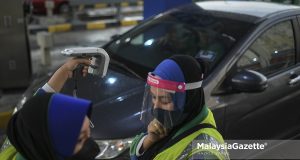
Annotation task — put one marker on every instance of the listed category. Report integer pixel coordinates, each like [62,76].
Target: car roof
[250,8]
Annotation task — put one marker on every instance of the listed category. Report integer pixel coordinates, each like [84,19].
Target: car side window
[273,51]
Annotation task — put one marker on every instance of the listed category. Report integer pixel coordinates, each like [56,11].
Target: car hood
[118,117]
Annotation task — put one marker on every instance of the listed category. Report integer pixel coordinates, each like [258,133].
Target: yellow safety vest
[210,135]
[8,153]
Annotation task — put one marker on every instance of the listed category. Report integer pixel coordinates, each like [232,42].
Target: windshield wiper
[123,66]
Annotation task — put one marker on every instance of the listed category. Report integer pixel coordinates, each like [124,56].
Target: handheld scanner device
[99,62]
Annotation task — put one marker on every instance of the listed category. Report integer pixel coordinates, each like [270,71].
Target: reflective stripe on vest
[193,152]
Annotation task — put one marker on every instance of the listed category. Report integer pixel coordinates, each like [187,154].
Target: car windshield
[193,31]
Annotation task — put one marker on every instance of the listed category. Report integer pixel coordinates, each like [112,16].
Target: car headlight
[112,148]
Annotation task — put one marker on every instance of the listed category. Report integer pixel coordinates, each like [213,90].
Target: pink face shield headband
[171,85]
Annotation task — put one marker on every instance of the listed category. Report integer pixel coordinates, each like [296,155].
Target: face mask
[168,119]
[89,151]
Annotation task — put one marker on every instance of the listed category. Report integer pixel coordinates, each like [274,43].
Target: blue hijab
[47,127]
[169,70]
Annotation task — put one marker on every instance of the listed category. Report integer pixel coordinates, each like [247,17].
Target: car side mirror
[248,81]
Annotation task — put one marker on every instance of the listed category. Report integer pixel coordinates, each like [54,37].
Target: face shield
[164,101]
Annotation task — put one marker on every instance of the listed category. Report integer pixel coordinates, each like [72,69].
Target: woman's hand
[71,65]
[156,132]
[59,78]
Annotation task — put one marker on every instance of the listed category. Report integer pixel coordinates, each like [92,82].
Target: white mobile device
[99,62]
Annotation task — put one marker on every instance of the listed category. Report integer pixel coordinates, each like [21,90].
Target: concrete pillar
[45,41]
[49,4]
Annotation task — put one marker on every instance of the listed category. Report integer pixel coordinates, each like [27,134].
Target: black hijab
[193,104]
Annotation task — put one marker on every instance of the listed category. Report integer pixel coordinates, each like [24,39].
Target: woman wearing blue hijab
[53,126]
[175,114]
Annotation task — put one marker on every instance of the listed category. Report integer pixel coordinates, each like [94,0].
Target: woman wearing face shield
[53,126]
[175,114]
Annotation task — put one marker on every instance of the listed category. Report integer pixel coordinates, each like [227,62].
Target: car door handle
[294,80]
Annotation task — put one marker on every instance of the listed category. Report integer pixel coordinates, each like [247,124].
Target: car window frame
[263,29]
[222,73]
[297,35]
[261,34]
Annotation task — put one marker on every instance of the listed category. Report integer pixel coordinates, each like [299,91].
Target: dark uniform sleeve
[134,146]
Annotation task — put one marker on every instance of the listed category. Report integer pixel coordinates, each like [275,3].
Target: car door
[274,112]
